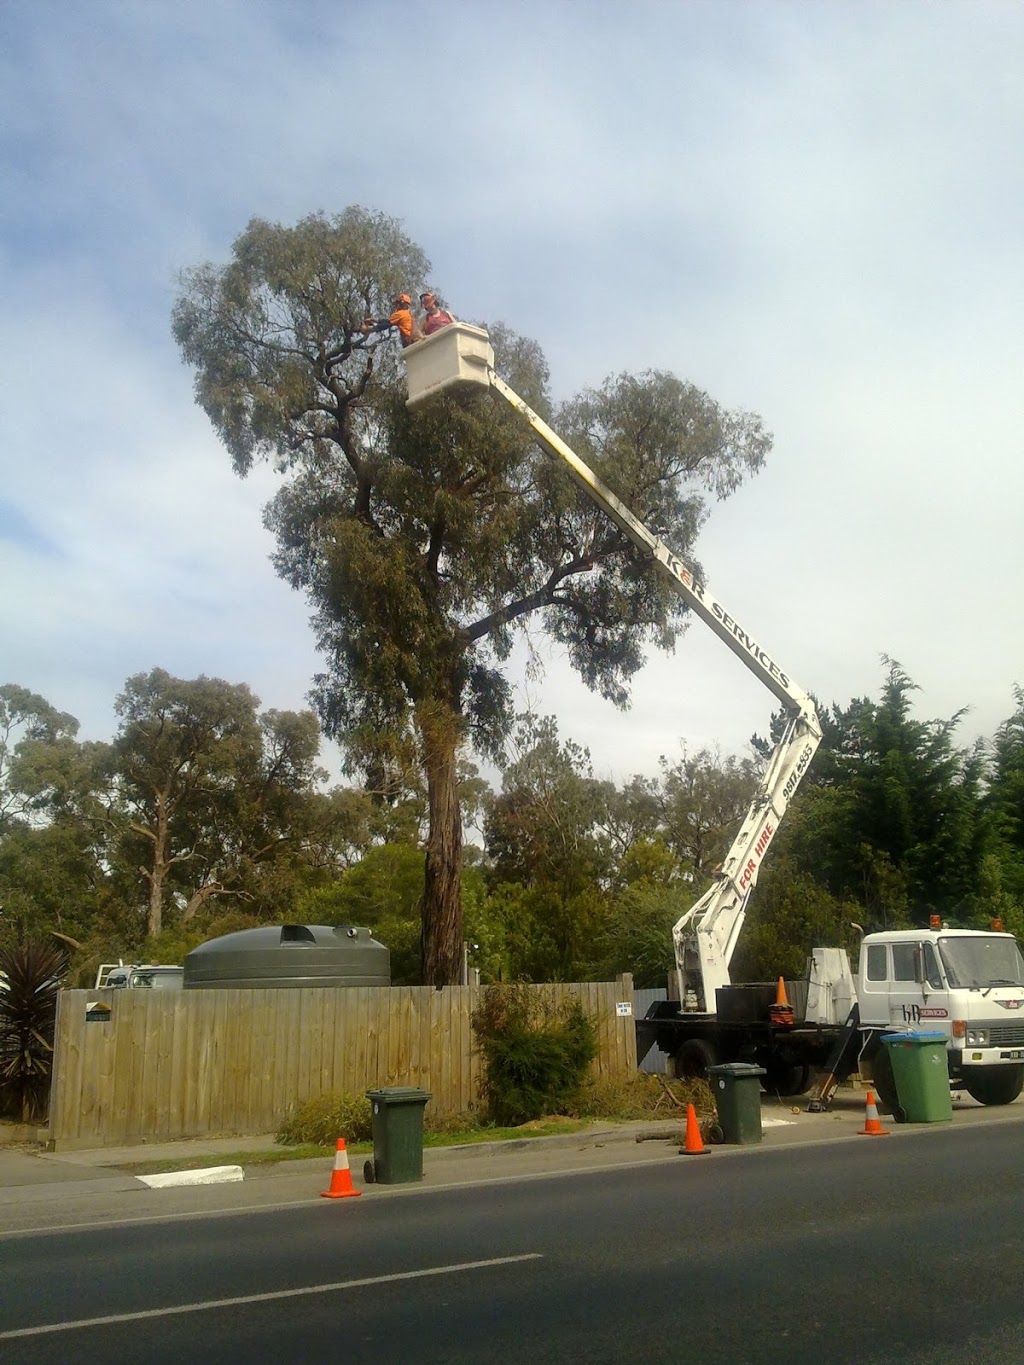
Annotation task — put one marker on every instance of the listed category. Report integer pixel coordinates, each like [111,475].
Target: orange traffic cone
[782,1011]
[694,1143]
[872,1125]
[341,1177]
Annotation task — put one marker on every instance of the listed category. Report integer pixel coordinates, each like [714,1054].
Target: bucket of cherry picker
[454,359]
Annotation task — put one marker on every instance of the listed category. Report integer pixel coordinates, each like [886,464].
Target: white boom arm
[459,357]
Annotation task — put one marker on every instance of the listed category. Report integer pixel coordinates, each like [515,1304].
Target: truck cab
[964,983]
[139,976]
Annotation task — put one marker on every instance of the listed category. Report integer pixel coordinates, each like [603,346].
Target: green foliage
[546,827]
[535,1054]
[704,796]
[663,445]
[382,891]
[649,862]
[30,976]
[323,1119]
[209,792]
[635,934]
[181,747]
[386,883]
[536,933]
[791,914]
[1004,804]
[51,877]
[277,330]
[891,817]
[36,741]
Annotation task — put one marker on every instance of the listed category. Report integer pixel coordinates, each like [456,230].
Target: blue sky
[814,211]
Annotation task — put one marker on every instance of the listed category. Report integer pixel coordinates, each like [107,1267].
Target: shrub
[325,1118]
[535,1054]
[28,1012]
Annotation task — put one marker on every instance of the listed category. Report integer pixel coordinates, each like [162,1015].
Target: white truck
[138,976]
[963,983]
[966,983]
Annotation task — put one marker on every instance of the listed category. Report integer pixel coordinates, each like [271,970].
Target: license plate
[1017,1056]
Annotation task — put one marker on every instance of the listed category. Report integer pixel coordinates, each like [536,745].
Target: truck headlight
[977,1037]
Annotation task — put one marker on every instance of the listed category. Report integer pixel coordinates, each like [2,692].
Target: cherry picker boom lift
[460,357]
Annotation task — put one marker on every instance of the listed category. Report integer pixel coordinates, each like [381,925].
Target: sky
[814,212]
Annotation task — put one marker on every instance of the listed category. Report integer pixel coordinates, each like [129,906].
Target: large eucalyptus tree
[424,543]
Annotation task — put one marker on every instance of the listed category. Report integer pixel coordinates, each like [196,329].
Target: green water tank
[281,956]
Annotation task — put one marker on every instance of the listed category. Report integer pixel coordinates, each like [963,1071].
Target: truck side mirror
[919,975]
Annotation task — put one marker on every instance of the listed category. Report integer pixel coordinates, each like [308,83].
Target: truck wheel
[994,1084]
[783,1078]
[883,1081]
[693,1059]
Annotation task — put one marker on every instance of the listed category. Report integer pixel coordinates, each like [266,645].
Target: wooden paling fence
[176,1064]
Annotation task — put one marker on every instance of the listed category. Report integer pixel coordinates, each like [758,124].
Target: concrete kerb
[784,1124]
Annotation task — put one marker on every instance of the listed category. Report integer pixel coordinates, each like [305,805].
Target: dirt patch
[548,1121]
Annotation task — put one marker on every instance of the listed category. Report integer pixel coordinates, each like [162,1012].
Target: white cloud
[814,212]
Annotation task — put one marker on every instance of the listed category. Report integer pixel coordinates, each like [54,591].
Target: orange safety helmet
[403,298]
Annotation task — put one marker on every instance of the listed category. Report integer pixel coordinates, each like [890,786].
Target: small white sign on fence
[624,1007]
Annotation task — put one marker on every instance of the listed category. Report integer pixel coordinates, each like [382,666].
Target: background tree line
[204,814]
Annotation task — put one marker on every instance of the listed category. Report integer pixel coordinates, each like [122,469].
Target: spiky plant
[28,1012]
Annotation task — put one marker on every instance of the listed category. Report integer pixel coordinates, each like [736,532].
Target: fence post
[58,1078]
[628,1032]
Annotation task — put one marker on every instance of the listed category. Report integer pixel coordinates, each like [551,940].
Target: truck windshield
[168,979]
[982,961]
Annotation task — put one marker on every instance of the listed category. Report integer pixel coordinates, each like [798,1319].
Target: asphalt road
[874,1251]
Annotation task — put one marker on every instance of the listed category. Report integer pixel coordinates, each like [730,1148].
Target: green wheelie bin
[397,1134]
[737,1090]
[921,1076]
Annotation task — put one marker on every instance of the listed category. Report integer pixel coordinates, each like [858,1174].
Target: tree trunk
[441,936]
[161,836]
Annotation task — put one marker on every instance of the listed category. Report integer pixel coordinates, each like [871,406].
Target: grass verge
[307,1151]
[304,1134]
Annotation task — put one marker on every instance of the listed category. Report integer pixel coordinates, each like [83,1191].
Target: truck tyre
[783,1078]
[693,1059]
[994,1084]
[883,1081]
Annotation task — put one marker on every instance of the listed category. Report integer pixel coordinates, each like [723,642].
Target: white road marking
[207,1175]
[202,1307]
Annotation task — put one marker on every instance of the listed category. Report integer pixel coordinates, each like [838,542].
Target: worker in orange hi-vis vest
[400,317]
